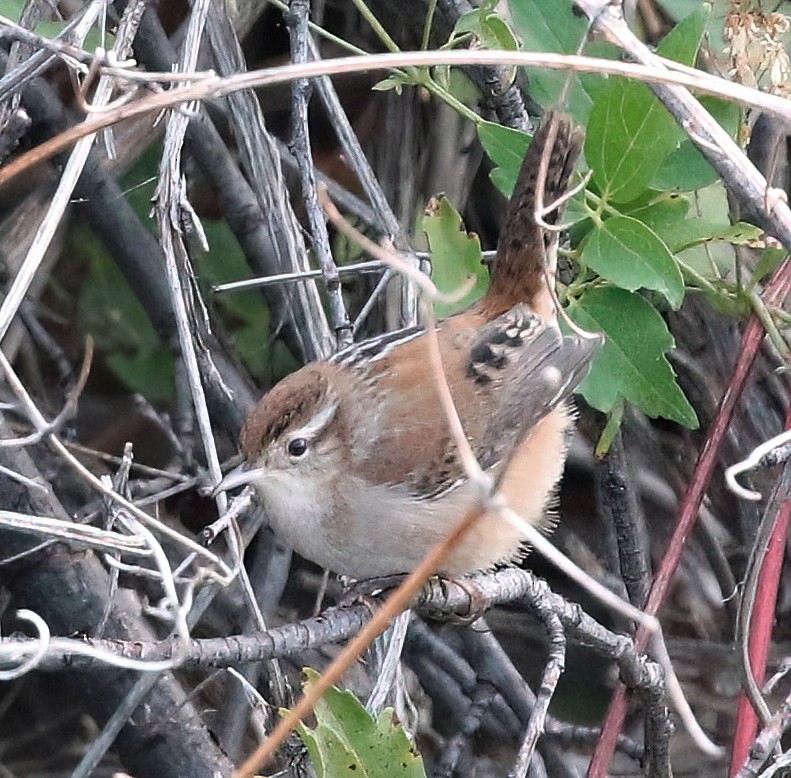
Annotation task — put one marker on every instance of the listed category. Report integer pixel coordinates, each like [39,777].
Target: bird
[353,458]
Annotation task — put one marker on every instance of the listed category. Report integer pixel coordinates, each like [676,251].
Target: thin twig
[76,30]
[62,197]
[296,20]
[213,87]
[39,422]
[757,610]
[553,669]
[284,278]
[83,534]
[260,212]
[121,715]
[69,407]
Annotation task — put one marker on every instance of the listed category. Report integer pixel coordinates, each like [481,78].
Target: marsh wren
[353,458]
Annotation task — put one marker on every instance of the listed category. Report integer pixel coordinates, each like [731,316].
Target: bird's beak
[239,476]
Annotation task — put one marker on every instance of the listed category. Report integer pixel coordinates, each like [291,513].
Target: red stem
[760,631]
[776,290]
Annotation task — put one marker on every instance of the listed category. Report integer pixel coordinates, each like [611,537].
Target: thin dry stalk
[208,86]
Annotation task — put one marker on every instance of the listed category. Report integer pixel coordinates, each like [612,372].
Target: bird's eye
[298,447]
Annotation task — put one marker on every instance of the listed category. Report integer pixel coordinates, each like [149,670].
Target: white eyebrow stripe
[317,424]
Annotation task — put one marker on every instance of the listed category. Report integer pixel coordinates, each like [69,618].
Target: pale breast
[383,530]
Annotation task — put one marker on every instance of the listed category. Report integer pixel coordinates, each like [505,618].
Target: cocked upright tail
[524,269]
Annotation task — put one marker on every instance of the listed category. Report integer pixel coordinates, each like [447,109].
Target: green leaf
[150,373]
[488,26]
[551,26]
[679,9]
[391,82]
[767,263]
[244,312]
[506,148]
[632,364]
[12,9]
[469,22]
[630,133]
[697,231]
[662,213]
[683,233]
[614,419]
[666,215]
[92,41]
[496,34]
[631,255]
[109,311]
[686,169]
[347,740]
[455,255]
[681,44]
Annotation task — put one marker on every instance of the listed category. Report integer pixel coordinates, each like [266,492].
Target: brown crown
[291,403]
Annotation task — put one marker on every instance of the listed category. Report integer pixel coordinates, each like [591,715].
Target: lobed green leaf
[686,169]
[630,134]
[632,364]
[551,26]
[506,148]
[631,255]
[347,740]
[455,255]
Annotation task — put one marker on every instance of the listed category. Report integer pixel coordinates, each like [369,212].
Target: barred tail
[526,252]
